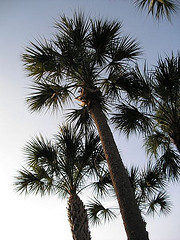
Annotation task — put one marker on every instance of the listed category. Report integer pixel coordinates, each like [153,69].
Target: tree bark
[78,219]
[175,136]
[133,222]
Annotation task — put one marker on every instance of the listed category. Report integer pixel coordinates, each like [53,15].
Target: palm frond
[158,8]
[103,186]
[69,142]
[142,85]
[42,60]
[46,95]
[97,213]
[156,143]
[127,48]
[103,33]
[169,164]
[81,119]
[115,84]
[75,29]
[93,151]
[160,204]
[134,176]
[129,119]
[167,74]
[40,151]
[152,180]
[34,181]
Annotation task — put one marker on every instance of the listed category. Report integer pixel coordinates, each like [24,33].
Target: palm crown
[86,56]
[65,167]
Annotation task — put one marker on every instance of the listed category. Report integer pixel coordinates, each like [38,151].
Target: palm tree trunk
[176,138]
[133,222]
[78,219]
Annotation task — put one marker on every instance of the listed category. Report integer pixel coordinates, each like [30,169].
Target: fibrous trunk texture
[78,219]
[133,222]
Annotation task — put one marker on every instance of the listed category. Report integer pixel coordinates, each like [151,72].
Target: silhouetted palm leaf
[81,119]
[159,203]
[158,8]
[98,213]
[156,143]
[47,95]
[128,120]
[169,164]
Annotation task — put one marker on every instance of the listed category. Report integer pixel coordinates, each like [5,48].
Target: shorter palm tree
[63,167]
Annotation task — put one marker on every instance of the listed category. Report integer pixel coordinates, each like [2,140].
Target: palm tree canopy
[86,55]
[155,113]
[156,102]
[61,166]
[64,166]
[158,8]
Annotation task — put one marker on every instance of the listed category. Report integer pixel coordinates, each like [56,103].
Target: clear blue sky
[20,22]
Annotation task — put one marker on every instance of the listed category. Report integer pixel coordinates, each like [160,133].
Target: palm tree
[89,57]
[156,113]
[158,8]
[63,167]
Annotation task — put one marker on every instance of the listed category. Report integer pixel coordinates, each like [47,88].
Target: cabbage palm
[63,167]
[87,60]
[156,112]
[158,8]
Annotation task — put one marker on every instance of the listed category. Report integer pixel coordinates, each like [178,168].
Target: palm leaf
[142,83]
[167,78]
[103,33]
[158,8]
[46,95]
[126,48]
[134,176]
[75,29]
[129,119]
[34,181]
[81,119]
[152,180]
[42,60]
[156,143]
[169,164]
[40,151]
[159,204]
[98,213]
[103,186]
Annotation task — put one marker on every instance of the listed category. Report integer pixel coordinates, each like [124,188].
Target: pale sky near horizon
[21,21]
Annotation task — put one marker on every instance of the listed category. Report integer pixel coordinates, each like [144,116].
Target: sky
[21,21]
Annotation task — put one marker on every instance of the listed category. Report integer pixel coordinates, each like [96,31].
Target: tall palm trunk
[78,219]
[133,222]
[175,136]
